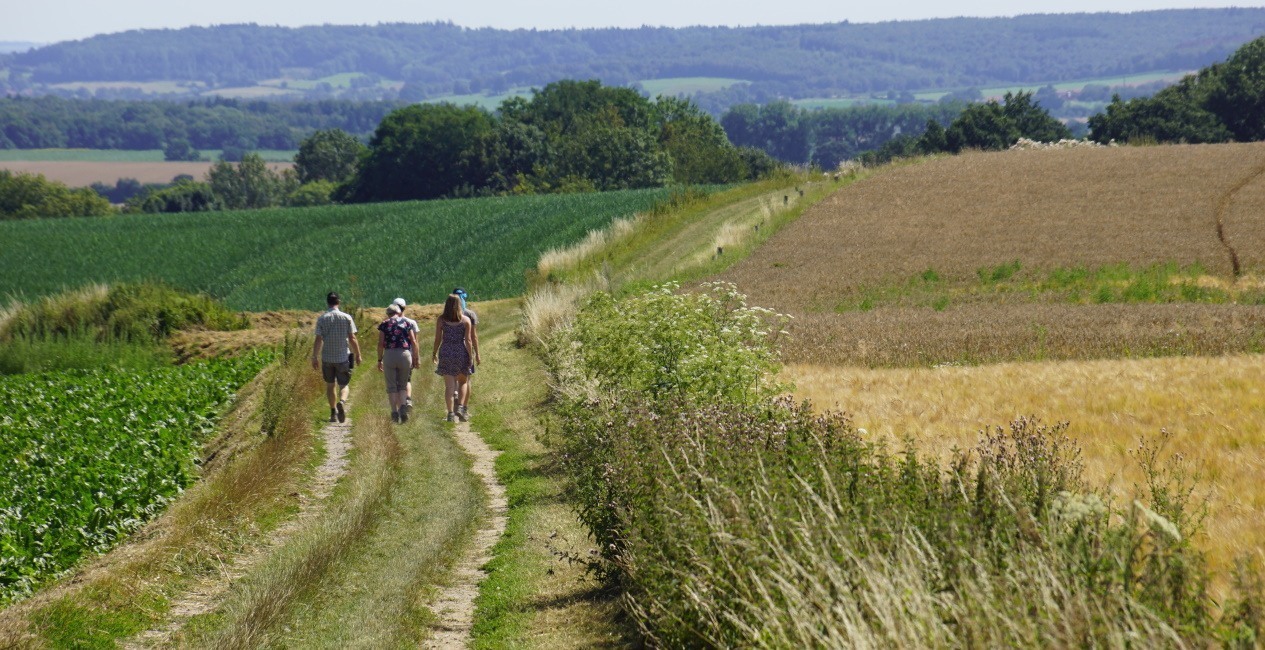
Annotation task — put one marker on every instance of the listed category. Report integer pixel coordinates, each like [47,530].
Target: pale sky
[47,21]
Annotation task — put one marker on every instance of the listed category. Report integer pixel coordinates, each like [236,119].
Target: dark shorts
[340,372]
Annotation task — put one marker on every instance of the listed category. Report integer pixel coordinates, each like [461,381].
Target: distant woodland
[440,59]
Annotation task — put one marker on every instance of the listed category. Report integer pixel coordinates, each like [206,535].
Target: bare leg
[463,388]
[450,385]
[342,394]
[330,394]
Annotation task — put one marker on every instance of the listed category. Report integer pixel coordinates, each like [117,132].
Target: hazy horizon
[62,20]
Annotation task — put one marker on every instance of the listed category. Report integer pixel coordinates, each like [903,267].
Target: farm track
[455,603]
[206,596]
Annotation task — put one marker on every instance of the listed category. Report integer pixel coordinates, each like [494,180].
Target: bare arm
[412,341]
[439,335]
[316,352]
[474,338]
[382,345]
[355,347]
[469,336]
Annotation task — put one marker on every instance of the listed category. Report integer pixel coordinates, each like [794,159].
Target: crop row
[87,456]
[289,258]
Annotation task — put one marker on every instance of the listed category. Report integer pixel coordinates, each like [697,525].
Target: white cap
[399,302]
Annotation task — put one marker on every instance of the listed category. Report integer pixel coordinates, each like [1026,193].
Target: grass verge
[538,593]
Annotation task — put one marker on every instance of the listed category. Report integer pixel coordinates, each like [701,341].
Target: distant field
[289,258]
[840,102]
[120,155]
[151,87]
[688,85]
[85,173]
[990,231]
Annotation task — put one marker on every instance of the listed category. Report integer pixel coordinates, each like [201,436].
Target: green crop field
[289,258]
[121,155]
[88,456]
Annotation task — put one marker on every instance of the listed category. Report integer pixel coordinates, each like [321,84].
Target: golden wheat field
[1214,408]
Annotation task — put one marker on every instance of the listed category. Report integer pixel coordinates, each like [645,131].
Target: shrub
[31,196]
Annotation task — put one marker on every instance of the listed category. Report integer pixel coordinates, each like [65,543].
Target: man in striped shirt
[335,333]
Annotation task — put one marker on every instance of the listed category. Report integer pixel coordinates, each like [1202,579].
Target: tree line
[1221,103]
[571,136]
[182,127]
[438,59]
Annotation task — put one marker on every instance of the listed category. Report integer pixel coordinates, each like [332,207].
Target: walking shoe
[464,410]
[462,417]
[452,417]
[395,416]
[342,412]
[404,410]
[333,416]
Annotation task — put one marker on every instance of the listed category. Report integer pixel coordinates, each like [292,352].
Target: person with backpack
[397,343]
[408,386]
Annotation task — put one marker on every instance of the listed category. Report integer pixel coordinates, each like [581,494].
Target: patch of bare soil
[455,603]
[205,596]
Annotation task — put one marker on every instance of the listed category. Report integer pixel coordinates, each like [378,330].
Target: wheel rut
[454,606]
[1223,206]
[205,596]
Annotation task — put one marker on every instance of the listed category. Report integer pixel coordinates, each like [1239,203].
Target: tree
[328,155]
[696,144]
[249,184]
[180,149]
[1239,96]
[424,152]
[30,196]
[993,126]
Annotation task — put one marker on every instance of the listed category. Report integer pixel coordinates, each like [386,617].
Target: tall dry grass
[1212,408]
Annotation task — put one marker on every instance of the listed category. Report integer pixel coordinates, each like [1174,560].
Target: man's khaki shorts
[340,372]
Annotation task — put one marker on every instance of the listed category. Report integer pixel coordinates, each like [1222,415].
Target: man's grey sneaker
[404,410]
[452,417]
[395,416]
[333,416]
[462,417]
[342,411]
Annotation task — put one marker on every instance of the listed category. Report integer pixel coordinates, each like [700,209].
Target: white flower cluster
[1024,144]
[1074,508]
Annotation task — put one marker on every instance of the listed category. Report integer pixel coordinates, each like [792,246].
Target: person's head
[460,293]
[332,299]
[393,310]
[399,302]
[452,308]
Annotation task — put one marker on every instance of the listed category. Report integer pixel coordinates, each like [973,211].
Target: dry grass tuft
[1214,409]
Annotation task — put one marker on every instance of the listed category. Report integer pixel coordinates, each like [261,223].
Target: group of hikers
[455,353]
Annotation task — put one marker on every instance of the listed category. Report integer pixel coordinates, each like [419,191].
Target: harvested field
[1048,209]
[987,333]
[953,259]
[1213,407]
[85,173]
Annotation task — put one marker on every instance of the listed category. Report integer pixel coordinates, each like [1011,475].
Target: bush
[31,196]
